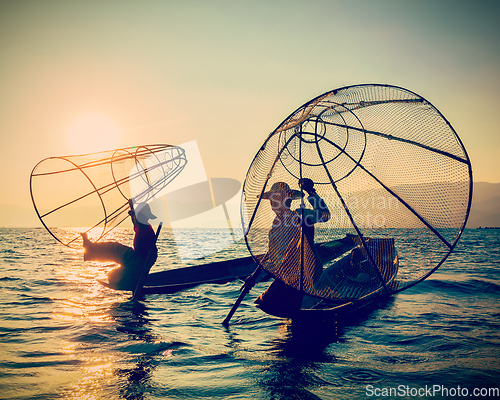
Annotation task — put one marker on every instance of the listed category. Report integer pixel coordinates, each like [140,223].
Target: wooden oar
[145,269]
[248,285]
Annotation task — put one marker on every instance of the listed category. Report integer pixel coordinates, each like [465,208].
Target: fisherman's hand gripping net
[92,191]
[394,175]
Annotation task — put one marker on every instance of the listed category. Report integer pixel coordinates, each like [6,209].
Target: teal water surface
[64,336]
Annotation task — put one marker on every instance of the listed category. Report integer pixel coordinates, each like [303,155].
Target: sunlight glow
[93,132]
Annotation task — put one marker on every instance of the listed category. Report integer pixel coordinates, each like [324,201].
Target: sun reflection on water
[91,311]
[90,385]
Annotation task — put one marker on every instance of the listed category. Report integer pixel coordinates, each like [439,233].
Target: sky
[80,76]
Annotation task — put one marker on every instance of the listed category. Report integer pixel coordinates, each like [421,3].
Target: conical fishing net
[394,176]
[92,191]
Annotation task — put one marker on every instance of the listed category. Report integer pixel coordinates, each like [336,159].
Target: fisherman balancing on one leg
[132,261]
[291,230]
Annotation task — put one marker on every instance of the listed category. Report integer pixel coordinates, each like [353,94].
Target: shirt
[145,240]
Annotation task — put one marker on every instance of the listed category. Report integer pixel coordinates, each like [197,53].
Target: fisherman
[132,261]
[292,255]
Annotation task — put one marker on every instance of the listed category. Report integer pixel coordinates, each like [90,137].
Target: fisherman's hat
[282,188]
[143,213]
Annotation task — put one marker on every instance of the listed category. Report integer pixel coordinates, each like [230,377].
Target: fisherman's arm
[131,212]
[321,212]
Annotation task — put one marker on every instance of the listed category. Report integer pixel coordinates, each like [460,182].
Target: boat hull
[353,292]
[220,272]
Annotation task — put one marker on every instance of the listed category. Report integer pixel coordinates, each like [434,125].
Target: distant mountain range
[13,216]
[485,211]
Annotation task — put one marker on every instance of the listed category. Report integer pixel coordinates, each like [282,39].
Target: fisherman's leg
[127,275]
[115,277]
[106,251]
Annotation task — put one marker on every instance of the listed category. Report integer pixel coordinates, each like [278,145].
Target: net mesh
[396,180]
[92,191]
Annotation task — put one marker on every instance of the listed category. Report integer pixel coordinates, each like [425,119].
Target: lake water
[64,336]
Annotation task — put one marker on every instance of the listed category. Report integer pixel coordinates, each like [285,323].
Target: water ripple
[65,336]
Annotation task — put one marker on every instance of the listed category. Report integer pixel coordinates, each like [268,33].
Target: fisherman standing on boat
[292,255]
[132,260]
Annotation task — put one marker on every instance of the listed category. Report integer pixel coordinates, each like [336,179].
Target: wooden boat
[355,281]
[221,272]
[173,280]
